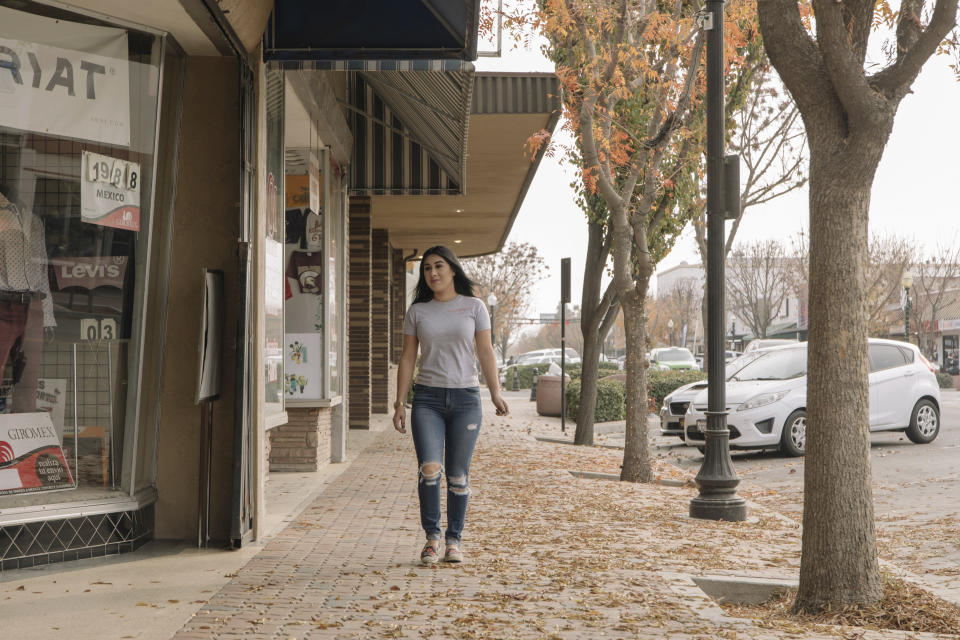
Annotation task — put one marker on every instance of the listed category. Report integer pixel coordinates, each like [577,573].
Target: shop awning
[506,109]
[372,30]
[409,123]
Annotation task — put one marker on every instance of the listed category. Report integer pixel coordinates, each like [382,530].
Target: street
[915,489]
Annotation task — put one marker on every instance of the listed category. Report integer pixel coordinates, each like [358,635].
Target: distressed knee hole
[458,485]
[472,427]
[430,473]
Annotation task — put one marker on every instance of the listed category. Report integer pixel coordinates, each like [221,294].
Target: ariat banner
[31,458]
[64,79]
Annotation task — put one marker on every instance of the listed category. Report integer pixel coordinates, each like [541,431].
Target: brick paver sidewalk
[548,555]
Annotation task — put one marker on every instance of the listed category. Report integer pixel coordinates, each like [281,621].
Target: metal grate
[38,543]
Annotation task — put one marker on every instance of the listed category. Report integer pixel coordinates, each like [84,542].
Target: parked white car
[767,399]
[675,404]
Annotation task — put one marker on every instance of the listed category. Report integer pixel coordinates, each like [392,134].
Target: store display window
[78,123]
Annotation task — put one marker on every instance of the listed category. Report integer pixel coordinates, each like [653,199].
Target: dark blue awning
[372,29]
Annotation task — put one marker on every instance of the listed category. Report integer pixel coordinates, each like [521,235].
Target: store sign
[31,458]
[298,191]
[110,192]
[90,273]
[947,325]
[82,94]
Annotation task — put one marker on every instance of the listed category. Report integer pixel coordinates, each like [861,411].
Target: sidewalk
[548,555]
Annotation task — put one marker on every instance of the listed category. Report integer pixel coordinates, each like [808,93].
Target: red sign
[31,458]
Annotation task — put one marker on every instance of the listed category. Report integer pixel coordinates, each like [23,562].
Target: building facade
[208,209]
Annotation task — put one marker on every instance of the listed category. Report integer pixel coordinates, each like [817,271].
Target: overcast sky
[914,194]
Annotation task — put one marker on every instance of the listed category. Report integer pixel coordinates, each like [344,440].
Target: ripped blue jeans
[445,424]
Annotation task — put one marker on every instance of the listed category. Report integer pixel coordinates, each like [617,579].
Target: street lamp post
[907,282]
[492,304]
[670,328]
[717,480]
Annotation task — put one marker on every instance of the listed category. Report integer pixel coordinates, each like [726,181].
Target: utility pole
[717,480]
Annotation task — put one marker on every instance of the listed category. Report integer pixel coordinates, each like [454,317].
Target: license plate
[701,425]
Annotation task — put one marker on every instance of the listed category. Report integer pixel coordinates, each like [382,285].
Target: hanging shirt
[23,256]
[313,231]
[307,269]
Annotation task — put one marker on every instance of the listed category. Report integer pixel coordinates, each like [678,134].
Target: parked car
[766,343]
[767,398]
[665,358]
[675,404]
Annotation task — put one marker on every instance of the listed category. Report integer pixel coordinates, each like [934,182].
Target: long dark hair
[461,283]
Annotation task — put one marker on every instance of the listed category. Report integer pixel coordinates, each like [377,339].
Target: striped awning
[409,122]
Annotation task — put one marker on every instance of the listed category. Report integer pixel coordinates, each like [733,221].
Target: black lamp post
[717,480]
[907,282]
[670,329]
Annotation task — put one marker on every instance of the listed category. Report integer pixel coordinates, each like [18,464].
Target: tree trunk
[839,560]
[636,450]
[591,317]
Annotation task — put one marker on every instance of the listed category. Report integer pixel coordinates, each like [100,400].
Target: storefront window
[273,246]
[78,122]
[334,281]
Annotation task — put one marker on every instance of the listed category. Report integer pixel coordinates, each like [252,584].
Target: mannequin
[26,307]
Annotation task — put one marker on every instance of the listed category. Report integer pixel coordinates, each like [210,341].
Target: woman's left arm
[488,363]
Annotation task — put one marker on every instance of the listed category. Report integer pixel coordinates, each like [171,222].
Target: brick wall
[358,329]
[380,321]
[303,443]
[398,292]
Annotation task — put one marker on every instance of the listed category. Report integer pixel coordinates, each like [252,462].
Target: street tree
[848,106]
[632,82]
[758,283]
[936,283]
[509,274]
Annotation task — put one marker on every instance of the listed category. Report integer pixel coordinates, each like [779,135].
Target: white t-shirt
[446,332]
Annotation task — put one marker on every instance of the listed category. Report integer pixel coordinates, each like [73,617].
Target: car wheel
[924,422]
[793,438]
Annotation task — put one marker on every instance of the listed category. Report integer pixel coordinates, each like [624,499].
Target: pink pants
[16,320]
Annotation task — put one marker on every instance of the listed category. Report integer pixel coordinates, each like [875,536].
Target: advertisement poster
[82,92]
[51,397]
[110,192]
[31,458]
[302,359]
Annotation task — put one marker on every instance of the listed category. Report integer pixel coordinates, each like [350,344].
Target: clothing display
[26,305]
[23,257]
[313,231]
[307,269]
[294,226]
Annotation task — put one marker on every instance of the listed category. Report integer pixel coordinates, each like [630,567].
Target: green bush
[525,372]
[661,383]
[610,400]
[945,380]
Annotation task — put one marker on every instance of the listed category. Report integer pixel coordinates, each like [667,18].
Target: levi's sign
[64,92]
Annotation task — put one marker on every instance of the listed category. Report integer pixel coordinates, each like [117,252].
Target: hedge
[661,383]
[945,380]
[610,400]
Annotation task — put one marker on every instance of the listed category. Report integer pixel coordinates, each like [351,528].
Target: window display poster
[51,397]
[110,192]
[31,458]
[314,173]
[302,359]
[82,92]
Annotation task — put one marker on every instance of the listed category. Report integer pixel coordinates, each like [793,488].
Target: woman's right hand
[400,419]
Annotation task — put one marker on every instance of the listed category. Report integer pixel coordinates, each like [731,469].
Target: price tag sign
[110,192]
[97,329]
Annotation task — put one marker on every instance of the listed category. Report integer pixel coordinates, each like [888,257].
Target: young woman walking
[444,322]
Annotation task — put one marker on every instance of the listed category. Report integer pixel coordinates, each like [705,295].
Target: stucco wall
[206,221]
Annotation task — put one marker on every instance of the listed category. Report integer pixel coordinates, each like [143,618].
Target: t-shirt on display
[446,333]
[307,269]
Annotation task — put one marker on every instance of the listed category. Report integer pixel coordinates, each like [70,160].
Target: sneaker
[453,554]
[430,553]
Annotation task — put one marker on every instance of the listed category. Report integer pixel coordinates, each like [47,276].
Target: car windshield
[674,355]
[734,366]
[781,364]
